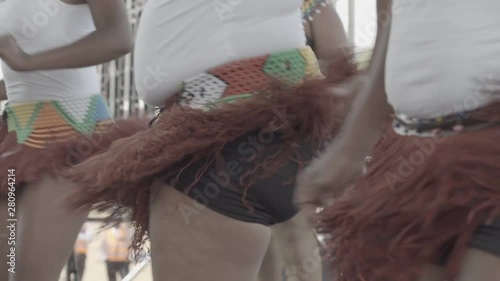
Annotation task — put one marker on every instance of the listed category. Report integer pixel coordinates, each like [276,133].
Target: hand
[12,55]
[328,176]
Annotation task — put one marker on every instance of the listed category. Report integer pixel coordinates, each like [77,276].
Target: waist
[159,73]
[242,79]
[50,85]
[456,123]
[38,123]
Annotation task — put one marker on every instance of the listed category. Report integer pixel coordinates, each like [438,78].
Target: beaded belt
[446,125]
[241,79]
[39,123]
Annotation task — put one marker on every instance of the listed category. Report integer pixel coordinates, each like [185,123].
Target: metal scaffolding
[117,77]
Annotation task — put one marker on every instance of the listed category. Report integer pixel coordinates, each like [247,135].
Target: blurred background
[117,85]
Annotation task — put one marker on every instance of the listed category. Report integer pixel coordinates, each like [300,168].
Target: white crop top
[443,56]
[178,39]
[40,25]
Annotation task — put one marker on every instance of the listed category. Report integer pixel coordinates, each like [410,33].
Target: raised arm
[343,160]
[370,110]
[328,37]
[111,39]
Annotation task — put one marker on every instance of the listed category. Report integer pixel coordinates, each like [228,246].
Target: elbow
[124,44]
[120,43]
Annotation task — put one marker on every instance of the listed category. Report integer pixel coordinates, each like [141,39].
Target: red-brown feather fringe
[32,163]
[120,178]
[416,203]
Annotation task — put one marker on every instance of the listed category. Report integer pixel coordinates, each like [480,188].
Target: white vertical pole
[352,20]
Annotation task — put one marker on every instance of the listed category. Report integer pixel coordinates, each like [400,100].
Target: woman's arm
[111,39]
[327,32]
[3,91]
[329,38]
[370,110]
[343,160]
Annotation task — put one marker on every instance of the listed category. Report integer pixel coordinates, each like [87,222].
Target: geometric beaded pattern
[39,123]
[240,79]
[311,7]
[401,122]
[201,89]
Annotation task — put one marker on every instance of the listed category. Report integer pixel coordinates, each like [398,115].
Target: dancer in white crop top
[49,49]
[226,74]
[428,206]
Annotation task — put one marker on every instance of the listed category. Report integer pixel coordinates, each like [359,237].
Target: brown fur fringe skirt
[120,178]
[30,164]
[421,198]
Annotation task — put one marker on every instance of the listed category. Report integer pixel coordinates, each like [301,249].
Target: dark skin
[328,36]
[53,223]
[111,39]
[293,241]
[342,162]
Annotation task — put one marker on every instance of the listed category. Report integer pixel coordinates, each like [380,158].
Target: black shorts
[485,238]
[269,201]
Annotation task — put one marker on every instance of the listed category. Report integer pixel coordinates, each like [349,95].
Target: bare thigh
[46,230]
[299,248]
[479,265]
[273,265]
[191,242]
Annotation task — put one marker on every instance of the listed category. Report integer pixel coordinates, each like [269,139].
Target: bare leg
[46,230]
[195,243]
[273,265]
[299,248]
[479,265]
[432,273]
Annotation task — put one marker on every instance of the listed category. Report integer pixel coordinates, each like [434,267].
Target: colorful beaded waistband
[240,79]
[39,123]
[445,125]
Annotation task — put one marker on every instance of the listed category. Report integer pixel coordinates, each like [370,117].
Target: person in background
[81,248]
[326,36]
[325,33]
[428,207]
[228,77]
[116,246]
[54,109]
